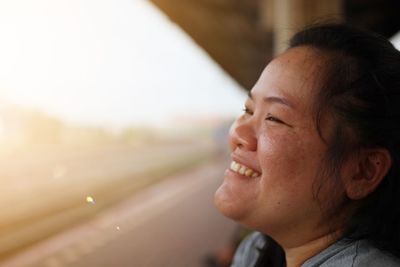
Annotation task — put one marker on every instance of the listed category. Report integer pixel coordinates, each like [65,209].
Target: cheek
[288,160]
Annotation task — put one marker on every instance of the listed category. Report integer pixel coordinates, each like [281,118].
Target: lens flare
[90,200]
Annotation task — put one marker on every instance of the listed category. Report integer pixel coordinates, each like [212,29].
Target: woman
[316,155]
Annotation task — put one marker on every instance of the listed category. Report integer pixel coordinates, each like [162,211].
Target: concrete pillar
[285,17]
[267,15]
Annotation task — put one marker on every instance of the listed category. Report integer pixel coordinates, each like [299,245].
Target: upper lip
[244,162]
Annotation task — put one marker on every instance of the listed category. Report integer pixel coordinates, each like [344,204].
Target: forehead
[295,75]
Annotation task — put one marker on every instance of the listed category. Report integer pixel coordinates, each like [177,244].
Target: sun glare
[107,63]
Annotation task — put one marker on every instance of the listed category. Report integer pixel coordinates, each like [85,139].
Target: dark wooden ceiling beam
[228,30]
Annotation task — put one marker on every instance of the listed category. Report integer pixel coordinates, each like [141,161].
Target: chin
[230,208]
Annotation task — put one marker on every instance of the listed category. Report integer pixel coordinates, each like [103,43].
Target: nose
[242,135]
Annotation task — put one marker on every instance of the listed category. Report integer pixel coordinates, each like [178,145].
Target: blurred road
[171,224]
[45,192]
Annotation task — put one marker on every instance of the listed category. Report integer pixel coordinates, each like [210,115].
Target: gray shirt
[355,254]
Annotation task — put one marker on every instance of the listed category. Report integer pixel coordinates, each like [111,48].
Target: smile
[243,170]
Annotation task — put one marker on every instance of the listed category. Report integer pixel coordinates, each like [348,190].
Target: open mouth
[243,170]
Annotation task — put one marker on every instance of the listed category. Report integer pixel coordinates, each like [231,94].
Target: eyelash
[273,119]
[268,118]
[247,111]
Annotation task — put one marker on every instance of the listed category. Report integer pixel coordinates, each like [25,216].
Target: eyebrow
[274,99]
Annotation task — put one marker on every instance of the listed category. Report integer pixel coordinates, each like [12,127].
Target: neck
[297,255]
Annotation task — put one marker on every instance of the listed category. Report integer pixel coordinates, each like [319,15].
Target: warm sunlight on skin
[276,138]
[107,62]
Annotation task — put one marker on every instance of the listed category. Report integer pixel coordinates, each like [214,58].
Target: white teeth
[235,166]
[243,170]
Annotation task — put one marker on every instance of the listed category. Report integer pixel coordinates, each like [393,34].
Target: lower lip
[229,172]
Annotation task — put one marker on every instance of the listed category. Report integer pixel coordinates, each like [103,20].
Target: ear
[369,169]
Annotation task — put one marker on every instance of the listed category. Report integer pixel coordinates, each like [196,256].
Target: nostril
[245,144]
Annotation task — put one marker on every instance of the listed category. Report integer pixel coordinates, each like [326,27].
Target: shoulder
[368,255]
[248,251]
[355,254]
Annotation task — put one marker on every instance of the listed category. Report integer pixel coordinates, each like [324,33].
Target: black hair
[361,89]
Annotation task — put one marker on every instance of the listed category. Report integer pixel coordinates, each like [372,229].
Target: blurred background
[114,116]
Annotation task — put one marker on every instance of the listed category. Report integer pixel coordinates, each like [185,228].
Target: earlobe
[373,165]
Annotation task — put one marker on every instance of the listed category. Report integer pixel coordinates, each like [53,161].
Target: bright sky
[108,62]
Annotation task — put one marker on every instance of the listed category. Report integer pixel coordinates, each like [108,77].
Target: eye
[246,110]
[273,119]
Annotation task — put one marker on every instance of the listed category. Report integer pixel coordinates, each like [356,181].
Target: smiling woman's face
[278,150]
